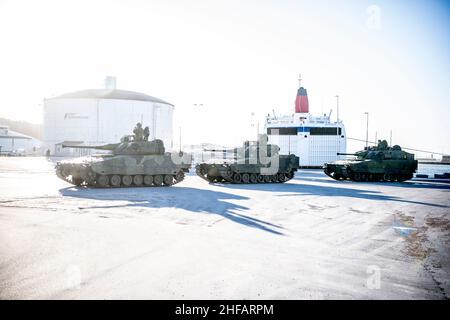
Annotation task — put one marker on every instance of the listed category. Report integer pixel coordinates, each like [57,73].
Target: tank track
[244,178]
[369,177]
[89,178]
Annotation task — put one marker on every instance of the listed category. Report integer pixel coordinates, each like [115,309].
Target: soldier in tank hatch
[138,132]
[146,133]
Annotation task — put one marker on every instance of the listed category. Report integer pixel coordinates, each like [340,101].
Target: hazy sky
[389,58]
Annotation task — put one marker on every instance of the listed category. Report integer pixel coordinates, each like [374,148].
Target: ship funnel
[301,102]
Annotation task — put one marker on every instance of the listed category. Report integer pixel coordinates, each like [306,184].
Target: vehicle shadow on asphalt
[189,199]
[333,189]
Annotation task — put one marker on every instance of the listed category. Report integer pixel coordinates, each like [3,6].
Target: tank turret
[129,148]
[251,148]
[134,144]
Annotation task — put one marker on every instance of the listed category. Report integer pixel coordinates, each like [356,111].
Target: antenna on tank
[299,79]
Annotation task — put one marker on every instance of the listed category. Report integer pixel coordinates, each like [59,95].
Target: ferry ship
[315,139]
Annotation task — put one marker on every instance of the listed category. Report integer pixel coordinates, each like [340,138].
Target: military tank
[134,162]
[377,163]
[254,162]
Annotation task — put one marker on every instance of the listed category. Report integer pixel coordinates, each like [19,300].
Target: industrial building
[15,143]
[100,116]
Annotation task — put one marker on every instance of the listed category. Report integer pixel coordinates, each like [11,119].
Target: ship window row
[325,131]
[282,131]
[312,131]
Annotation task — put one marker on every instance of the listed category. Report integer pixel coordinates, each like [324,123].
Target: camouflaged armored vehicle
[254,162]
[133,162]
[378,163]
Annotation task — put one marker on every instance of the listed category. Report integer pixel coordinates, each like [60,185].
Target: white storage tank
[100,116]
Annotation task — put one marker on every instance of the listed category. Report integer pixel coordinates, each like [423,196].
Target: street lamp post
[367,129]
[253,120]
[180,139]
[337,107]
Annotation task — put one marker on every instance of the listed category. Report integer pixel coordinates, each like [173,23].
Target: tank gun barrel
[110,146]
[220,150]
[346,154]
